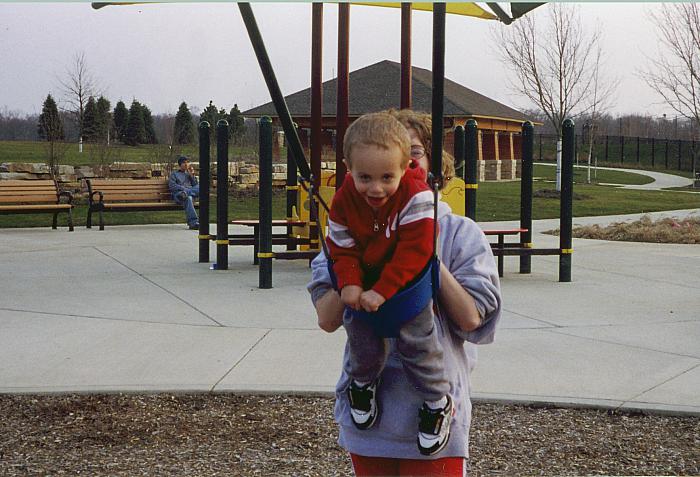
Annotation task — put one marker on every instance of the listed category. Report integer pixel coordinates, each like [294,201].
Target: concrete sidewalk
[661,181]
[130,309]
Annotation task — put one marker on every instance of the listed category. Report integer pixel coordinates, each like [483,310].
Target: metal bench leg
[102,222]
[88,222]
[501,247]
[54,224]
[70,220]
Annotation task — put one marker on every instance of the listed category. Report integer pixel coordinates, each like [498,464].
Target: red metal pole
[316,108]
[343,101]
[406,76]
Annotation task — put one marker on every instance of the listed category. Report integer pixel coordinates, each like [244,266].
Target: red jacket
[387,259]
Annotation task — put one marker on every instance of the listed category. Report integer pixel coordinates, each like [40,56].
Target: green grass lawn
[602,175]
[495,201]
[35,151]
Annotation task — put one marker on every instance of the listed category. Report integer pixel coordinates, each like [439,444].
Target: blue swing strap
[410,300]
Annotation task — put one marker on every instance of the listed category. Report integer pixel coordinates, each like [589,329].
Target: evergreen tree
[135,129]
[148,125]
[121,121]
[212,115]
[236,124]
[104,119]
[50,124]
[90,120]
[183,130]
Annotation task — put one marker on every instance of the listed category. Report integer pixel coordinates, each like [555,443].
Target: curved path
[662,180]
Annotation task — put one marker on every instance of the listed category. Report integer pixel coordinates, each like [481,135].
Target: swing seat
[406,304]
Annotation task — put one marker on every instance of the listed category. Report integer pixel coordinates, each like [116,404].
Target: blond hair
[422,124]
[377,129]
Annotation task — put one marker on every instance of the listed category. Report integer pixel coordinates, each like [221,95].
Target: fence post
[679,154]
[471,183]
[622,149]
[566,202]
[653,146]
[666,154]
[526,195]
[265,204]
[606,147]
[204,181]
[637,150]
[221,195]
[540,147]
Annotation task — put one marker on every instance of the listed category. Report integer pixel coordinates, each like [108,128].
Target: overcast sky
[163,54]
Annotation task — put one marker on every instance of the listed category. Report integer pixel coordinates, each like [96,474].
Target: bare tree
[554,66]
[674,73]
[77,87]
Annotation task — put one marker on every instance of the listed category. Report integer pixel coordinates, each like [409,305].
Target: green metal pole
[459,151]
[265,200]
[222,195]
[566,202]
[471,183]
[528,139]
[204,181]
[292,187]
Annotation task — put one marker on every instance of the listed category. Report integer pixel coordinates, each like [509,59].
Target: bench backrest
[131,190]
[28,192]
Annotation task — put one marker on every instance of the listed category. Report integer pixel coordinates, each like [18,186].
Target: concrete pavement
[130,309]
[661,179]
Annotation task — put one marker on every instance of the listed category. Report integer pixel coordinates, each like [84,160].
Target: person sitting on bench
[184,186]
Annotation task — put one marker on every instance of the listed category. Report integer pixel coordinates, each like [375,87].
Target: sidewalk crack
[245,355]
[632,399]
[141,275]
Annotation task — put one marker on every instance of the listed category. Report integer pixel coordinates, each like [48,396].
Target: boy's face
[184,165]
[376,172]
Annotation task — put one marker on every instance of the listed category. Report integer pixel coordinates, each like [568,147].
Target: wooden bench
[35,197]
[127,195]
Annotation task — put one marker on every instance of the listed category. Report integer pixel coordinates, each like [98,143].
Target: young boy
[380,238]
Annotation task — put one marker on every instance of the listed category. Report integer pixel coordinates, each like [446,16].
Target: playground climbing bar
[204,180]
[265,203]
[566,204]
[528,139]
[222,195]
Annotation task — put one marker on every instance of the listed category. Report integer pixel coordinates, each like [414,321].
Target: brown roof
[377,87]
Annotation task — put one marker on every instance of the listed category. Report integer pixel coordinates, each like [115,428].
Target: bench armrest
[65,193]
[91,196]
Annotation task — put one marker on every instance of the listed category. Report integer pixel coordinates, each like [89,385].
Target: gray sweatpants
[418,347]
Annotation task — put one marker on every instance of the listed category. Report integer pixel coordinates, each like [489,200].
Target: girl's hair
[422,124]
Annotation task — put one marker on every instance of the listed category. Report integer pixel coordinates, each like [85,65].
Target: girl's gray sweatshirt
[466,253]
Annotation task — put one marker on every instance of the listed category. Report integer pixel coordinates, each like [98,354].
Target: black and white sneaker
[364,407]
[434,428]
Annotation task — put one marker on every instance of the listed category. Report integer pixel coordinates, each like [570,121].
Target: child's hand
[350,296]
[371,300]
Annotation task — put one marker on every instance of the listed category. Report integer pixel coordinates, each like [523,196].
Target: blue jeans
[184,198]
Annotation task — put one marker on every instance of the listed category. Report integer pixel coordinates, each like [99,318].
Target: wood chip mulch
[249,435]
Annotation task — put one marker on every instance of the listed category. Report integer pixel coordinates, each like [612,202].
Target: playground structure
[465,153]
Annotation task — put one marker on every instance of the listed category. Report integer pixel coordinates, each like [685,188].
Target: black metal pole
[653,146]
[290,131]
[204,181]
[265,200]
[666,154]
[622,149]
[526,194]
[566,203]
[607,138]
[439,13]
[459,151]
[222,195]
[637,150]
[471,145]
[679,154]
[292,191]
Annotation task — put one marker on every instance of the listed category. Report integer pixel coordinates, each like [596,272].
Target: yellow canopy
[457,8]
